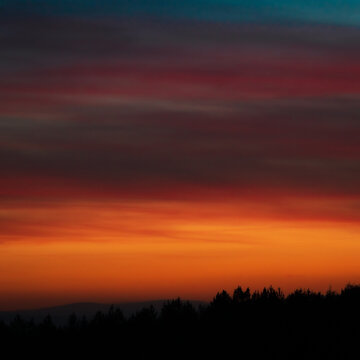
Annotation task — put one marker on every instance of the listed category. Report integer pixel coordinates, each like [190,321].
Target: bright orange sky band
[111,252]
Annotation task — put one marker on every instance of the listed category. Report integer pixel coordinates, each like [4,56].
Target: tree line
[242,325]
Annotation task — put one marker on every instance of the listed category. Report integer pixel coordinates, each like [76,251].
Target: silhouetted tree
[178,312]
[221,301]
[240,296]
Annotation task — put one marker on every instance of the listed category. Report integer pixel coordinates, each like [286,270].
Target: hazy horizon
[43,304]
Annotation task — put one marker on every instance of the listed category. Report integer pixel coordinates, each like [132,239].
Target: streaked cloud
[211,148]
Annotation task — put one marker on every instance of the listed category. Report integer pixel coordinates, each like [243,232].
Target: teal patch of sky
[337,12]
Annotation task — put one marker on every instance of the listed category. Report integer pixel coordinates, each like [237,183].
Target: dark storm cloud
[116,104]
[299,144]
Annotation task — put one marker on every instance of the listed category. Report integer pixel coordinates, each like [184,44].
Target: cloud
[142,109]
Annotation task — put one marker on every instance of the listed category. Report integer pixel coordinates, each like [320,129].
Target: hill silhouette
[244,325]
[60,314]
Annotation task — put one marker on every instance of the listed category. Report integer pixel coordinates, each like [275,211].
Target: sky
[155,149]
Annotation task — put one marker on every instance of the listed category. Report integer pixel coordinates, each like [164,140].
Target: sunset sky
[155,149]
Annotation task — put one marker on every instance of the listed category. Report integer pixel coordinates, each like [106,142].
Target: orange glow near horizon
[112,252]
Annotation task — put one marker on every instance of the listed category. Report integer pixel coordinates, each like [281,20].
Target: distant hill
[60,314]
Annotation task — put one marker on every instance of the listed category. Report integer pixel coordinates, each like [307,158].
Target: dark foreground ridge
[258,325]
